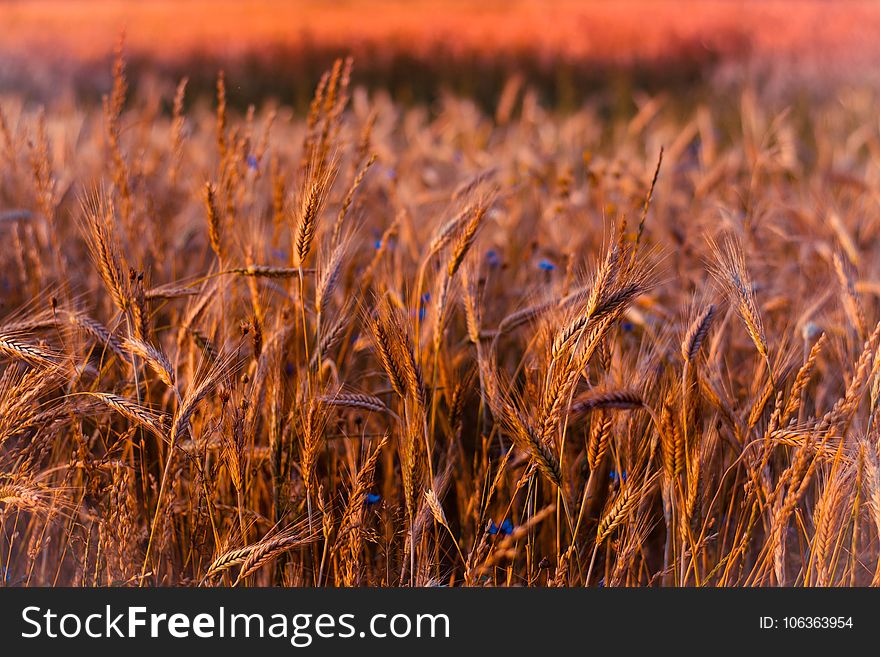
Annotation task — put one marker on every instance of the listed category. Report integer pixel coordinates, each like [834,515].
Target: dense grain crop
[374,345]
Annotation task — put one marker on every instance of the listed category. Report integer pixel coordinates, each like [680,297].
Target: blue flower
[546,265]
[616,477]
[627,327]
[379,240]
[506,528]
[373,498]
[423,301]
[252,162]
[391,173]
[492,258]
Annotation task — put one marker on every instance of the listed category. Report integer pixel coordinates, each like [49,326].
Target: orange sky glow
[608,31]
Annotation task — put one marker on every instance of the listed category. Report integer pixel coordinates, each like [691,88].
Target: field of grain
[383,344]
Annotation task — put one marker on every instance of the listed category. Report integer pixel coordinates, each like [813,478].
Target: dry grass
[374,347]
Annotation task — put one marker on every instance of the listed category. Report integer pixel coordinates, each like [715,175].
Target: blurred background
[416,49]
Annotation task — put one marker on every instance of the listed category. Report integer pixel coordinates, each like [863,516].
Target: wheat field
[376,345]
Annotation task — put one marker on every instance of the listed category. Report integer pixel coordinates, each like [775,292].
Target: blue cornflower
[616,477]
[627,327]
[506,528]
[373,498]
[423,301]
[492,258]
[252,162]
[377,244]
[546,265]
